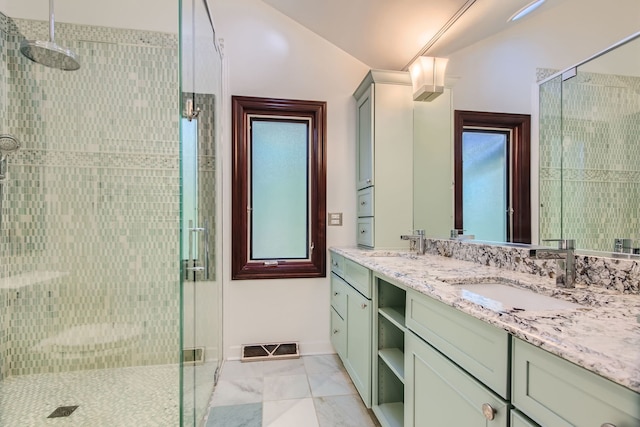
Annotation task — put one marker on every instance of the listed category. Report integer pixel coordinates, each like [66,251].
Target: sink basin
[502,297]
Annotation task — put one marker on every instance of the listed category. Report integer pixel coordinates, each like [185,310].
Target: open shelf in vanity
[388,392]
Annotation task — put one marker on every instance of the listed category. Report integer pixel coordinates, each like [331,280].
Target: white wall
[498,73]
[269,55]
[151,15]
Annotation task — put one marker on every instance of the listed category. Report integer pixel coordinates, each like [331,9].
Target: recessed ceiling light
[526,10]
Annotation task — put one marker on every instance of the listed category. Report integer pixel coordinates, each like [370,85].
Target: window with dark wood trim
[520,127]
[308,259]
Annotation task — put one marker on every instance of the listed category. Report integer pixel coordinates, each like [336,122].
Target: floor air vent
[63,411]
[287,350]
[193,356]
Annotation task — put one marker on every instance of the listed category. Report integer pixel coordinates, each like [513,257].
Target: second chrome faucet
[566,260]
[417,241]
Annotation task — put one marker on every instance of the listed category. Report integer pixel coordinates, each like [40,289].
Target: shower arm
[51,22]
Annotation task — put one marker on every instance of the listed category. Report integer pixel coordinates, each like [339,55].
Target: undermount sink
[504,297]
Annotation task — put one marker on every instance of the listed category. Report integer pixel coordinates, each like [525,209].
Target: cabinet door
[439,393]
[364,146]
[359,350]
[338,335]
[555,392]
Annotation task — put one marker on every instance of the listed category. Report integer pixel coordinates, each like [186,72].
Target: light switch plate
[335,218]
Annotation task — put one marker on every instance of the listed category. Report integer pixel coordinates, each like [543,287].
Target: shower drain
[63,411]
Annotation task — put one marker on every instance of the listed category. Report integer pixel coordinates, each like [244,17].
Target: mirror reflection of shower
[48,53]
[8,144]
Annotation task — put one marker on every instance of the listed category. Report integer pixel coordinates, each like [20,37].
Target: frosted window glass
[484,177]
[279,190]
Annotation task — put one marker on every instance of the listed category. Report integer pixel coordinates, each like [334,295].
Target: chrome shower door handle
[205,231]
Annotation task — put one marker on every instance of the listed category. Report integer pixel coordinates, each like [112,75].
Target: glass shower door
[200,223]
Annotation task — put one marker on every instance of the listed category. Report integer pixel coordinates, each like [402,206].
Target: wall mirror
[590,152]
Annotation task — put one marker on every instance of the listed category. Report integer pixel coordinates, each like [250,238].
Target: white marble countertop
[601,335]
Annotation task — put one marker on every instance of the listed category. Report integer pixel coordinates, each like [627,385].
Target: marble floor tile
[289,413]
[322,363]
[233,369]
[286,387]
[237,392]
[283,367]
[249,415]
[331,384]
[342,411]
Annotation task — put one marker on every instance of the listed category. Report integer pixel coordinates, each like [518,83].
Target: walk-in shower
[48,53]
[95,311]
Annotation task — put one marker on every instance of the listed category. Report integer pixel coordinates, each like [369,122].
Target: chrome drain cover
[63,411]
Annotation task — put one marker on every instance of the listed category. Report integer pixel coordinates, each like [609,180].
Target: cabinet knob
[363,231]
[608,425]
[488,411]
[335,294]
[362,203]
[335,331]
[363,306]
[368,180]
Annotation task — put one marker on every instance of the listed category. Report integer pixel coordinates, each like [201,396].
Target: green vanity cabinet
[556,393]
[479,348]
[519,420]
[351,321]
[441,394]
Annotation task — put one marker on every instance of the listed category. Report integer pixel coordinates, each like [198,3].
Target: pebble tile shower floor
[136,397]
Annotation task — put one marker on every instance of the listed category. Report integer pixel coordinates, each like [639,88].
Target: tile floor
[306,392]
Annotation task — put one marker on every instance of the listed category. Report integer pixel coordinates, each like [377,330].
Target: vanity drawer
[365,202]
[339,290]
[337,264]
[365,232]
[358,277]
[477,347]
[555,392]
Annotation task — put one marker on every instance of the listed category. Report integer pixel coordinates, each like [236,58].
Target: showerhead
[49,54]
[8,143]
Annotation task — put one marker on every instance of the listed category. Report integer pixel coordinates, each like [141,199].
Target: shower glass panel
[201,214]
[589,157]
[89,242]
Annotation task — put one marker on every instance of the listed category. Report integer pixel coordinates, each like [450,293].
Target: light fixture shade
[427,77]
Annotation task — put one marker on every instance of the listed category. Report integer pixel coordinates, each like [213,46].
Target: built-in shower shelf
[30,279]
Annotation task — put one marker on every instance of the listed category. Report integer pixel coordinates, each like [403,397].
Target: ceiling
[388,34]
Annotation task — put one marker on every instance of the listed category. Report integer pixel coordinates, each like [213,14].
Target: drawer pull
[608,425]
[363,306]
[488,411]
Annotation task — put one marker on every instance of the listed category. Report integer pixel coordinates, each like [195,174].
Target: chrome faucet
[417,241]
[566,258]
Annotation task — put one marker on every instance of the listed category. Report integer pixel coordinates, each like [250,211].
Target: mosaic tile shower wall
[89,239]
[590,159]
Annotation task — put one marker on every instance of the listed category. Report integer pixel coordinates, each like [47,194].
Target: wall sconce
[427,76]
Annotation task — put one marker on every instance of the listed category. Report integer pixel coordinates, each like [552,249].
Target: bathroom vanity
[441,352]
